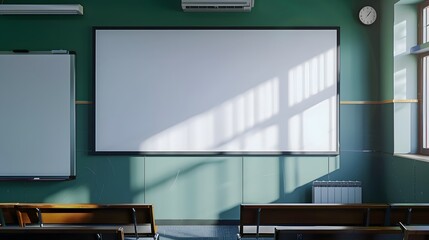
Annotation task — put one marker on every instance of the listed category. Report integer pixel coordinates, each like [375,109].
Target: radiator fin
[337,192]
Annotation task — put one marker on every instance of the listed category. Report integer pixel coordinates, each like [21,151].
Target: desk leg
[39,214]
[368,216]
[135,223]
[2,221]
[410,210]
[258,222]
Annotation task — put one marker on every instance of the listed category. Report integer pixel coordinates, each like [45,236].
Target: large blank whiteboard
[255,91]
[37,120]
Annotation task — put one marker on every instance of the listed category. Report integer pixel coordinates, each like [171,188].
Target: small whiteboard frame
[37,102]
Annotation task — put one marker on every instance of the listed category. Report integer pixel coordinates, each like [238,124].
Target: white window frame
[423,86]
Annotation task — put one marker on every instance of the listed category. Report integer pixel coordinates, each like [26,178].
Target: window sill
[422,158]
[422,48]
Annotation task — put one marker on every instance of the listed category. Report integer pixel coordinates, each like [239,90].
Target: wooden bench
[415,232]
[8,215]
[409,213]
[136,219]
[63,233]
[338,232]
[259,220]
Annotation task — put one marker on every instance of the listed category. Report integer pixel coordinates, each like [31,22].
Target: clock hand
[369,13]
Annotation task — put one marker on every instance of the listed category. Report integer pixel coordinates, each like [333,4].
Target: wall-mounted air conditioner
[217,5]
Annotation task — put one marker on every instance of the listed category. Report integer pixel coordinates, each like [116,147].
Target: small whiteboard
[37,123]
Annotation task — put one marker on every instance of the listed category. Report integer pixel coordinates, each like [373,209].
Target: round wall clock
[367,15]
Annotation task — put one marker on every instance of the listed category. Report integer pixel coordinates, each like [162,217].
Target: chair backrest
[414,232]
[409,213]
[63,233]
[135,218]
[338,232]
[8,215]
[312,215]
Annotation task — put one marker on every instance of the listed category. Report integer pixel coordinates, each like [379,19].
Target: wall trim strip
[379,102]
[84,102]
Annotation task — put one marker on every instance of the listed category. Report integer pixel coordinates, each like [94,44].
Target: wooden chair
[62,233]
[338,232]
[8,215]
[259,220]
[415,232]
[136,219]
[409,213]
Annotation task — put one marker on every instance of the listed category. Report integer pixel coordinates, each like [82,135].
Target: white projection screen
[217,91]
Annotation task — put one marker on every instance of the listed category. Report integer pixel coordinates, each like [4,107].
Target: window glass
[425,24]
[424,103]
[424,79]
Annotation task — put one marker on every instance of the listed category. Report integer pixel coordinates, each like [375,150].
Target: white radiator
[337,192]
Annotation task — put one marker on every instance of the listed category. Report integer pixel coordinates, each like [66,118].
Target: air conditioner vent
[216,5]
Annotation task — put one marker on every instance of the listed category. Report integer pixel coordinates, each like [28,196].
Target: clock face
[367,15]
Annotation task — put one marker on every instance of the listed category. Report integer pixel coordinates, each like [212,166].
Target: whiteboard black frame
[217,153]
[72,111]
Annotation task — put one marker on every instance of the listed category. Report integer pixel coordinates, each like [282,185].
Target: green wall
[213,187]
[406,179]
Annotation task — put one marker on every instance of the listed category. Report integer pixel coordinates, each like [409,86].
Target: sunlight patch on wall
[400,38]
[79,194]
[334,163]
[301,171]
[312,77]
[302,130]
[237,116]
[400,84]
[243,121]
[308,86]
[137,168]
[185,187]
[137,178]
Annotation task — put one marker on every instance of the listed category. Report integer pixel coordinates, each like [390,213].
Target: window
[424,91]
[424,79]
[425,22]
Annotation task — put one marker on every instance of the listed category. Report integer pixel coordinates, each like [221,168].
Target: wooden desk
[136,219]
[259,220]
[63,233]
[337,233]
